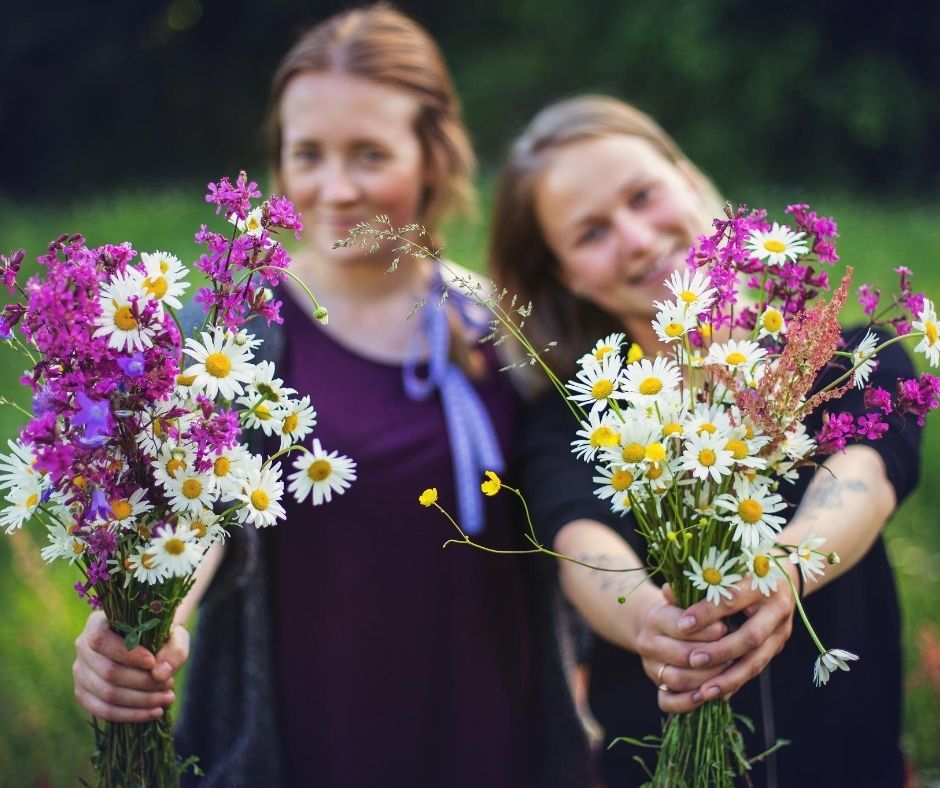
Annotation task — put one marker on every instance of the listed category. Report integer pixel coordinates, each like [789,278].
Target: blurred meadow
[46,739]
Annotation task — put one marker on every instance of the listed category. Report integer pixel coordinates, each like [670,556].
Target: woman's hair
[383,45]
[519,257]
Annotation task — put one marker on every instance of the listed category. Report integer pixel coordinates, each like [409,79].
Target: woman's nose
[337,186]
[636,234]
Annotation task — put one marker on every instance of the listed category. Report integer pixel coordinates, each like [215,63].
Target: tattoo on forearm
[617,582]
[828,492]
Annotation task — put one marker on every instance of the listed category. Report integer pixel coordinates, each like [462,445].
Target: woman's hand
[666,651]
[744,652]
[118,685]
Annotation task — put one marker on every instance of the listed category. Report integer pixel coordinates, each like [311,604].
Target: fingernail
[686,622]
[712,692]
[697,696]
[699,660]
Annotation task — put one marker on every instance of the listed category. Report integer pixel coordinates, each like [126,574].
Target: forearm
[848,502]
[595,593]
[204,574]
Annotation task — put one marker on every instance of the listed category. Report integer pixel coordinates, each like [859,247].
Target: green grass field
[46,741]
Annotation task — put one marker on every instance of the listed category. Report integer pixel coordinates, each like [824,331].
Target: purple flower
[93,415]
[99,506]
[878,398]
[871,426]
[868,298]
[837,428]
[918,396]
[132,366]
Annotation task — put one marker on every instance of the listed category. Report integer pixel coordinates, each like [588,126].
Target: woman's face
[349,152]
[620,219]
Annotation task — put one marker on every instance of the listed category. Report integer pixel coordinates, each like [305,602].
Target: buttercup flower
[428,497]
[492,484]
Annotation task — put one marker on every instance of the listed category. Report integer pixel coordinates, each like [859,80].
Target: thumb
[173,654]
[667,592]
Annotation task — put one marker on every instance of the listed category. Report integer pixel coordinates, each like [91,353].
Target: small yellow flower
[635,353]
[428,497]
[492,484]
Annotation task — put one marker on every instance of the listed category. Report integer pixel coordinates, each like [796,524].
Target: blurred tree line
[115,92]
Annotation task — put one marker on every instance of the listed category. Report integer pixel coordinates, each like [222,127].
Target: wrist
[637,607]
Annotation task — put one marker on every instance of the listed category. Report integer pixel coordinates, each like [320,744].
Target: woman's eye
[592,234]
[641,197]
[372,155]
[305,155]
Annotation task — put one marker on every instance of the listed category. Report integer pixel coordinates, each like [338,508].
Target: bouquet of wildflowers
[133,459]
[696,443]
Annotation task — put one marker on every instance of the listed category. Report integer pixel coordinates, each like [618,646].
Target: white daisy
[672,322]
[120,317]
[260,489]
[609,345]
[265,385]
[164,277]
[636,433]
[205,526]
[23,500]
[927,323]
[834,658]
[251,224]
[751,510]
[708,420]
[807,558]
[16,468]
[771,324]
[321,473]
[227,467]
[175,551]
[174,458]
[596,382]
[63,543]
[706,457]
[692,291]
[776,245]
[190,491]
[797,444]
[714,575]
[124,511]
[299,419]
[644,382]
[863,359]
[260,415]
[155,426]
[737,355]
[744,449]
[614,483]
[221,365]
[598,432]
[762,568]
[142,564]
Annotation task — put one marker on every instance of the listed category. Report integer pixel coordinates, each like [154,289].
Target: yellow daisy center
[221,466]
[621,480]
[708,427]
[651,386]
[218,365]
[674,330]
[290,424]
[192,488]
[672,428]
[128,566]
[711,576]
[144,531]
[185,380]
[262,412]
[634,354]
[121,509]
[252,223]
[750,511]
[654,471]
[78,547]
[124,320]
[761,565]
[656,452]
[748,431]
[602,351]
[602,389]
[734,359]
[199,528]
[32,501]
[773,245]
[319,470]
[688,296]
[156,286]
[634,452]
[174,546]
[930,331]
[773,321]
[174,466]
[604,436]
[260,500]
[737,448]
[707,457]
[146,560]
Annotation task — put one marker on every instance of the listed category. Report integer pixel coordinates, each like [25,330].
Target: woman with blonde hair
[596,207]
[343,647]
